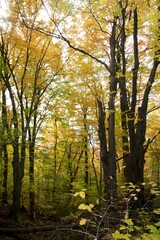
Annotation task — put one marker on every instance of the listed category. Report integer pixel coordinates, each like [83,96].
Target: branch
[118,159]
[12,231]
[60,36]
[84,52]
[94,17]
[145,147]
[153,109]
[150,141]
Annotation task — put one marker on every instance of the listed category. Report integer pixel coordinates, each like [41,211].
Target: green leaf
[157,224]
[146,237]
[129,222]
[137,228]
[118,235]
[157,211]
[155,236]
[123,228]
[155,192]
[152,228]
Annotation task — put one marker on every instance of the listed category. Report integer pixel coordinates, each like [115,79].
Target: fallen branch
[6,231]
[15,231]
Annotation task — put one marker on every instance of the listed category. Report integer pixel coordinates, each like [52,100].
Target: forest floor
[123,219]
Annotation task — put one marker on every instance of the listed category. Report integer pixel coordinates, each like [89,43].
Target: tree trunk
[5,137]
[141,126]
[31,176]
[18,174]
[103,142]
[86,147]
[112,180]
[138,154]
[131,169]
[18,156]
[32,140]
[123,91]
[15,207]
[5,175]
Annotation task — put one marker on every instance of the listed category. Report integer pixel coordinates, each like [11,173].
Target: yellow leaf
[91,205]
[132,194]
[82,207]
[138,190]
[154,185]
[88,208]
[82,194]
[76,194]
[83,221]
[143,183]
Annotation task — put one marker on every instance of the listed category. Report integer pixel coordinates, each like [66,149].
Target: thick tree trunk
[5,175]
[32,140]
[131,168]
[18,170]
[5,137]
[103,142]
[141,126]
[134,162]
[112,180]
[18,157]
[18,174]
[31,178]
[15,208]
[123,91]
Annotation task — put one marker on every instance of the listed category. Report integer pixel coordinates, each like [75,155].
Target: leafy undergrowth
[130,217]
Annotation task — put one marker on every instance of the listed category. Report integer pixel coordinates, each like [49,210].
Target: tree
[136,126]
[5,136]
[26,78]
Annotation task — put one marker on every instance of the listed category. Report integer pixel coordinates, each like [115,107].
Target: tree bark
[31,174]
[32,142]
[86,178]
[112,180]
[123,91]
[5,137]
[141,127]
[103,141]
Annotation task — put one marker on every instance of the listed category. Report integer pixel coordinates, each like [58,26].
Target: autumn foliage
[79,88]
